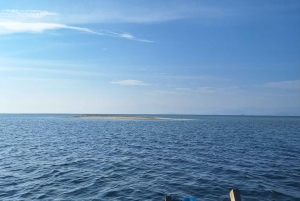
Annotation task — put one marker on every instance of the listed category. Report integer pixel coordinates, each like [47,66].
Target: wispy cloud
[16,14]
[129,82]
[11,27]
[290,84]
[199,90]
[54,71]
[138,12]
[124,35]
[31,21]
[36,79]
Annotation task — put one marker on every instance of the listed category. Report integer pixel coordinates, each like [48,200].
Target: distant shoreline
[119,117]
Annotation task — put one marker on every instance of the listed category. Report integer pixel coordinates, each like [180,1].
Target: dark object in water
[168,198]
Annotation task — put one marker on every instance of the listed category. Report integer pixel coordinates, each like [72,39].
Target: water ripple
[48,157]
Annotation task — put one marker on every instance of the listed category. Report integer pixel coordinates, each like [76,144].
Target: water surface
[53,157]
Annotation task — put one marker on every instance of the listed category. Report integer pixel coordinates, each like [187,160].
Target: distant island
[120,117]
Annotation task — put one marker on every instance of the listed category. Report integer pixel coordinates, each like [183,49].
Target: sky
[150,57]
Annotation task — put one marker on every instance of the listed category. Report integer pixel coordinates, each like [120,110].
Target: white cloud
[11,27]
[38,21]
[110,12]
[125,35]
[290,84]
[138,12]
[131,37]
[21,27]
[12,13]
[129,82]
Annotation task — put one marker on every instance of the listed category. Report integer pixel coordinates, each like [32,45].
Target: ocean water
[54,157]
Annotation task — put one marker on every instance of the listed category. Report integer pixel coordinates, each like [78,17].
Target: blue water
[52,157]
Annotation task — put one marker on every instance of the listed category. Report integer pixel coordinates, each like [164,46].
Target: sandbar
[120,117]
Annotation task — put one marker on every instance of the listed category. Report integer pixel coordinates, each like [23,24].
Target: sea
[58,157]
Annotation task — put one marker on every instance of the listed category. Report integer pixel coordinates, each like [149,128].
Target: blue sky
[185,57]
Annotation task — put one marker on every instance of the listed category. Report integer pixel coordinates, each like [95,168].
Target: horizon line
[259,115]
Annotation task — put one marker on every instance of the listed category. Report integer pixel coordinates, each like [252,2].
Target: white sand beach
[120,117]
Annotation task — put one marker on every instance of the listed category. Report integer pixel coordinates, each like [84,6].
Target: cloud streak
[13,13]
[12,27]
[136,12]
[199,91]
[290,84]
[38,21]
[125,35]
[155,14]
[55,71]
[130,82]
